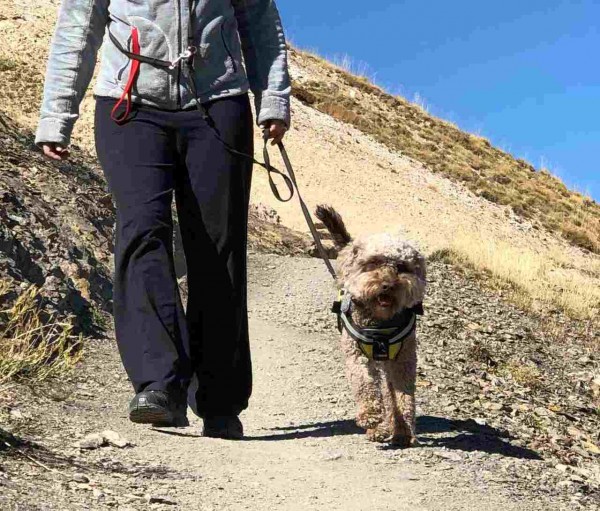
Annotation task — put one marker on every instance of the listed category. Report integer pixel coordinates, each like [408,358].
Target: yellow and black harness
[382,340]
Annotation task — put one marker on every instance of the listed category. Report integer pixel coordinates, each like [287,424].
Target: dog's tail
[334,224]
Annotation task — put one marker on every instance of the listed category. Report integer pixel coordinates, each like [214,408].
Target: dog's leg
[402,375]
[364,382]
[386,429]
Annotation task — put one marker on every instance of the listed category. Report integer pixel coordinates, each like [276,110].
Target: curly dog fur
[384,274]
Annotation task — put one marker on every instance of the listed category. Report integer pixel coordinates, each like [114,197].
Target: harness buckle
[186,55]
[381,350]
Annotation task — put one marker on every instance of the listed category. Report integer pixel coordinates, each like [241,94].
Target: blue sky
[523,73]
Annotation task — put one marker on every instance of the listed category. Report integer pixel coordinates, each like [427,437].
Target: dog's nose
[386,287]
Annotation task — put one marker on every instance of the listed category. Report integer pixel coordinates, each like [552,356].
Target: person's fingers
[266,129]
[62,151]
[55,151]
[276,132]
[50,152]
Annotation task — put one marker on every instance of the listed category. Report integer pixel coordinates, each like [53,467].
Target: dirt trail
[302,449]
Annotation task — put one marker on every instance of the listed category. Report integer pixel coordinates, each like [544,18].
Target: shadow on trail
[463,435]
[313,430]
[10,443]
[468,435]
[176,433]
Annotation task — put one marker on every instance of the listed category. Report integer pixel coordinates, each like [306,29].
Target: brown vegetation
[34,345]
[487,171]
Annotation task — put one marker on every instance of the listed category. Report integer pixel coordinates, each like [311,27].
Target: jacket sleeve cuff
[53,129]
[273,108]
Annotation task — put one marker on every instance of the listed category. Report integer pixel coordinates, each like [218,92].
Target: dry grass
[535,281]
[7,64]
[487,171]
[525,374]
[34,345]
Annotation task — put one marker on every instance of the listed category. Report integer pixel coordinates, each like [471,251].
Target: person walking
[172,110]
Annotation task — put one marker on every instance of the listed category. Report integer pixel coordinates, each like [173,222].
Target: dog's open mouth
[385,300]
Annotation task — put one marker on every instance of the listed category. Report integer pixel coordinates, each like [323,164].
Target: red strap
[133,73]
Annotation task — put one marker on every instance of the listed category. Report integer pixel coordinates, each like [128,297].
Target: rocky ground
[491,437]
[55,227]
[508,401]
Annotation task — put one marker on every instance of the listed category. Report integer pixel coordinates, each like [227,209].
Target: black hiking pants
[156,154]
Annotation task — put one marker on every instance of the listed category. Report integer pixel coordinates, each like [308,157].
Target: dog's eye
[402,268]
[371,266]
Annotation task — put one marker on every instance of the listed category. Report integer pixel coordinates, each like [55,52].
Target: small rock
[595,386]
[113,438]
[91,441]
[16,414]
[78,477]
[452,456]
[593,448]
[158,499]
[574,432]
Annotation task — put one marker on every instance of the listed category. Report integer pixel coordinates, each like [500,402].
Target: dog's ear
[347,260]
[420,266]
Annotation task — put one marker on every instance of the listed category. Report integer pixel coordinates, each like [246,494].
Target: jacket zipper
[179,30]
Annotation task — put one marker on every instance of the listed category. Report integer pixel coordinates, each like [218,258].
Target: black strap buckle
[381,350]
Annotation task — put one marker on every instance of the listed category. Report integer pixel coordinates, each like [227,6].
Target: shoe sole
[156,416]
[222,435]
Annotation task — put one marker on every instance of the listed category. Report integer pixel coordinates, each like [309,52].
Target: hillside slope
[487,171]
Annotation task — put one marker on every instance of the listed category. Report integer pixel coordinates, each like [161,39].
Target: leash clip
[346,300]
[186,55]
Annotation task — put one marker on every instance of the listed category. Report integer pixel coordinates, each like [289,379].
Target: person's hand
[55,151]
[275,129]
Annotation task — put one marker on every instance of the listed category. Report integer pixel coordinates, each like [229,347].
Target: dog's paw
[403,441]
[368,419]
[379,435]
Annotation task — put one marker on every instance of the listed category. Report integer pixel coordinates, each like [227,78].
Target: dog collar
[383,340]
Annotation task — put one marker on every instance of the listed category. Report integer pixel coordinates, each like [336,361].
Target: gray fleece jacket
[222,30]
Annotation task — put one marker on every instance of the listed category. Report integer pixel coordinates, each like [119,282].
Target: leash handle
[133,74]
[272,170]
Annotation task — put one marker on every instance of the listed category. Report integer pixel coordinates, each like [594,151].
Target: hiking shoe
[228,427]
[158,408]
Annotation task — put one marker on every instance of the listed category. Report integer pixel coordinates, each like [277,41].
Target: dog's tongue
[384,300]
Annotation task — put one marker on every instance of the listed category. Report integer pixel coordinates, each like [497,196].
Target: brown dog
[384,276]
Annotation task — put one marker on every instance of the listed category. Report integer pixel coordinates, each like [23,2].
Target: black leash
[291,182]
[290,179]
[305,210]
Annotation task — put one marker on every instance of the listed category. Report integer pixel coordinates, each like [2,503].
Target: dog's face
[383,273]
